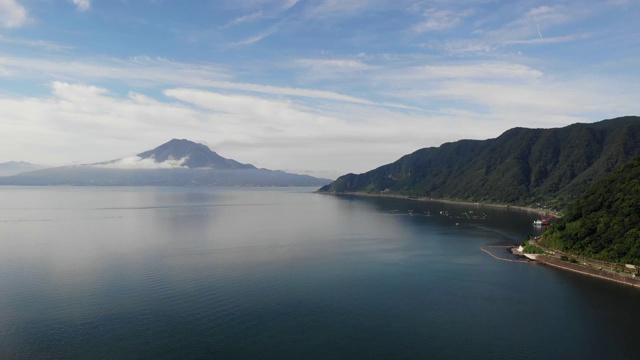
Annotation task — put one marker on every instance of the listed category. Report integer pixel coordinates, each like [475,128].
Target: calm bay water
[155,273]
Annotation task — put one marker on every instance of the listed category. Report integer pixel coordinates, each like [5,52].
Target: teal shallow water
[285,273]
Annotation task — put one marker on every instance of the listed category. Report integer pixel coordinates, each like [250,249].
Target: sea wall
[594,272]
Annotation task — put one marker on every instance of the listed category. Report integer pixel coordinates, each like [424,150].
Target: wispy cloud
[82,5]
[288,4]
[254,39]
[42,44]
[266,6]
[492,71]
[247,107]
[532,24]
[242,19]
[298,92]
[12,14]
[339,7]
[438,20]
[340,64]
[147,71]
[136,162]
[139,70]
[323,69]
[548,40]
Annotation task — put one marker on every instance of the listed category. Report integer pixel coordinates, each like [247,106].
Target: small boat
[544,220]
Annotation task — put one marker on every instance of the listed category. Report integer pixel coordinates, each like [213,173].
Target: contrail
[535,20]
[538,27]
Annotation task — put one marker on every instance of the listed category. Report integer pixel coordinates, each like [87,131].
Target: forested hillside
[604,224]
[521,166]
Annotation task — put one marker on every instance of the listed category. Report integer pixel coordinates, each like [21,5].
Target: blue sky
[308,86]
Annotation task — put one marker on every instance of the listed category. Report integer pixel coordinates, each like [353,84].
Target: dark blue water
[157,273]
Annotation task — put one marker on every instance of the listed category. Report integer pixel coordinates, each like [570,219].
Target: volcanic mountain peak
[178,153]
[175,163]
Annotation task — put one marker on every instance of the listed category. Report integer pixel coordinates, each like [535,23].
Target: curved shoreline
[443,201]
[541,259]
[577,268]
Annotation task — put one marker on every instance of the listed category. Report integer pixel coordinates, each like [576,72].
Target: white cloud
[146,71]
[139,70]
[332,69]
[465,46]
[247,107]
[65,90]
[12,14]
[284,133]
[290,91]
[527,100]
[492,71]
[438,20]
[288,4]
[341,65]
[82,5]
[136,162]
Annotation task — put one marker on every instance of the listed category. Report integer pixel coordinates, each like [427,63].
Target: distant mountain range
[17,167]
[521,166]
[175,163]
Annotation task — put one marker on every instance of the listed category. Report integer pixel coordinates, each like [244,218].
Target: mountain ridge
[521,166]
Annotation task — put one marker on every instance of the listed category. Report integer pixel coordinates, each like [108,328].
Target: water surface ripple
[155,273]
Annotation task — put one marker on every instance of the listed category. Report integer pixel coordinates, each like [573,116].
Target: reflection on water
[198,272]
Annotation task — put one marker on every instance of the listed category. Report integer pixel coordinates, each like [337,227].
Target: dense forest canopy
[604,224]
[521,166]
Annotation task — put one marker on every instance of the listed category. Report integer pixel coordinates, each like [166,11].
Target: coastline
[587,267]
[540,259]
[443,201]
[584,270]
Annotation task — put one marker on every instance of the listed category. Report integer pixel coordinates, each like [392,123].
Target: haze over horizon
[315,87]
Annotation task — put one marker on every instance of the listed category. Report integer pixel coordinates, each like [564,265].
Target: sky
[319,87]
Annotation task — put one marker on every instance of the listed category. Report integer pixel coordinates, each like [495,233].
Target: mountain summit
[191,155]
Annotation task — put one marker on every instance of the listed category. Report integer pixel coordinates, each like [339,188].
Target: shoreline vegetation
[551,257]
[595,268]
[443,201]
